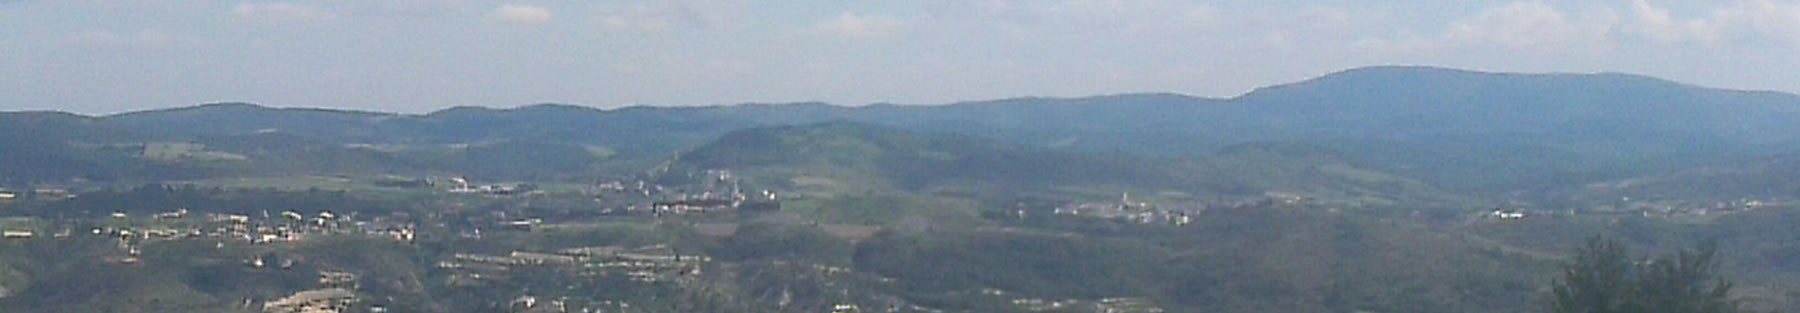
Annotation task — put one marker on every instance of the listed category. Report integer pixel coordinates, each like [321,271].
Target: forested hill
[888,157]
[1460,129]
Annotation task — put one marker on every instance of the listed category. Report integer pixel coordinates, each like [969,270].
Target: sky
[414,56]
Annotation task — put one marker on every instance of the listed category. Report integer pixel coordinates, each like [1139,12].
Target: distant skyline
[412,56]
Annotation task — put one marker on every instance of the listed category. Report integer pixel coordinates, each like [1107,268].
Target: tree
[1603,279]
[1596,282]
[1686,282]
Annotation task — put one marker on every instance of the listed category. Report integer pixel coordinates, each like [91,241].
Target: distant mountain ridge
[1522,102]
[1463,129]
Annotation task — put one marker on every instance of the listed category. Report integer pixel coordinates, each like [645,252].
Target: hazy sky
[104,56]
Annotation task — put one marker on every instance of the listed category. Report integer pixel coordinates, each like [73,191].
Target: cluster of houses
[1103,305]
[645,264]
[1678,209]
[640,188]
[1126,305]
[1626,206]
[457,185]
[462,185]
[291,226]
[1107,305]
[530,304]
[335,294]
[48,194]
[1690,210]
[325,300]
[714,203]
[1141,212]
[717,191]
[1127,210]
[1506,215]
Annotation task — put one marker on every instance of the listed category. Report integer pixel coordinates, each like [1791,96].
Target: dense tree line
[1604,279]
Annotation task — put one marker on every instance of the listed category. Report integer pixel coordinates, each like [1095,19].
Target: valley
[1386,189]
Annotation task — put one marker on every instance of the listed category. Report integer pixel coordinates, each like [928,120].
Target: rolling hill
[892,158]
[1397,162]
[1476,129]
[1463,130]
[856,161]
[1770,178]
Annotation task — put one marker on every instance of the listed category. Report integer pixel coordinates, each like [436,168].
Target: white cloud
[520,14]
[1532,26]
[1778,20]
[999,10]
[105,39]
[659,16]
[1324,18]
[1132,15]
[1657,25]
[1094,17]
[401,8]
[1402,42]
[1752,19]
[849,25]
[1094,11]
[282,12]
[1308,28]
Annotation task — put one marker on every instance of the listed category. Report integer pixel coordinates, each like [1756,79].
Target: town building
[52,194]
[337,279]
[318,300]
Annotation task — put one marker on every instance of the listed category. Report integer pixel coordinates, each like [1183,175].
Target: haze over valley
[1374,189]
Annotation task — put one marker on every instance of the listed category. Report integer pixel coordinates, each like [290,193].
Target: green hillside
[1326,174]
[1463,130]
[1767,179]
[879,156]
